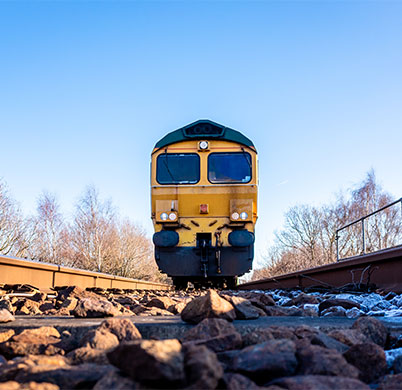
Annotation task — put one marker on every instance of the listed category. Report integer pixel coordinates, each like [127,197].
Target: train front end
[204,204]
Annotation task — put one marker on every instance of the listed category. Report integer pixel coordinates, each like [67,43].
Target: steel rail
[14,270]
[378,270]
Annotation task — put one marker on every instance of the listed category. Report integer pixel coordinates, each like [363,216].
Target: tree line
[308,238]
[95,239]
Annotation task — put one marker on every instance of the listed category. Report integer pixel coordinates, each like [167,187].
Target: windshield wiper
[167,166]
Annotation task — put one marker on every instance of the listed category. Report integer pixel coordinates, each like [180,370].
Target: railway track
[379,270]
[48,276]
[63,341]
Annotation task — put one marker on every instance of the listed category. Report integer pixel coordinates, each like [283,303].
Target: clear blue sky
[87,88]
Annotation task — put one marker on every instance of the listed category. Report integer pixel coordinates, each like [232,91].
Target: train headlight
[164,216]
[243,215]
[172,216]
[235,216]
[203,145]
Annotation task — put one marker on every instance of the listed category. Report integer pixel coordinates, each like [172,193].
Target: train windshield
[178,168]
[229,167]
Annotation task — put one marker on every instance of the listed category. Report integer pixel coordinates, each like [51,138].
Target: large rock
[268,360]
[94,307]
[348,337]
[157,363]
[210,305]
[32,342]
[215,333]
[373,329]
[318,382]
[345,303]
[369,358]
[6,316]
[316,360]
[244,309]
[122,328]
[203,370]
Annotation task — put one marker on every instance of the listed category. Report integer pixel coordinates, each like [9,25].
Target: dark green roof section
[204,129]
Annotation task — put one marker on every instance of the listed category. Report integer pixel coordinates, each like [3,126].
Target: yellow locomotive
[204,204]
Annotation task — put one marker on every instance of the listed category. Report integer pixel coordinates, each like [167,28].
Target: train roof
[204,129]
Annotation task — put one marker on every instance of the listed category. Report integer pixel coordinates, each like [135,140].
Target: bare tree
[308,238]
[95,240]
[133,253]
[382,230]
[93,231]
[49,240]
[301,232]
[14,237]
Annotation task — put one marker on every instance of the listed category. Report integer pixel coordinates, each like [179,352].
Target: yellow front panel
[221,199]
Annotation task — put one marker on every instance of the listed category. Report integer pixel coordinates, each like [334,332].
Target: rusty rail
[378,270]
[14,270]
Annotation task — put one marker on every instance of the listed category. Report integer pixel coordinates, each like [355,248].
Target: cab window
[178,168]
[229,167]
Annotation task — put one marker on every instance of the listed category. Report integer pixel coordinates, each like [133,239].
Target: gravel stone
[157,363]
[6,316]
[369,358]
[122,328]
[373,329]
[203,370]
[265,361]
[210,305]
[95,307]
[316,360]
[215,333]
